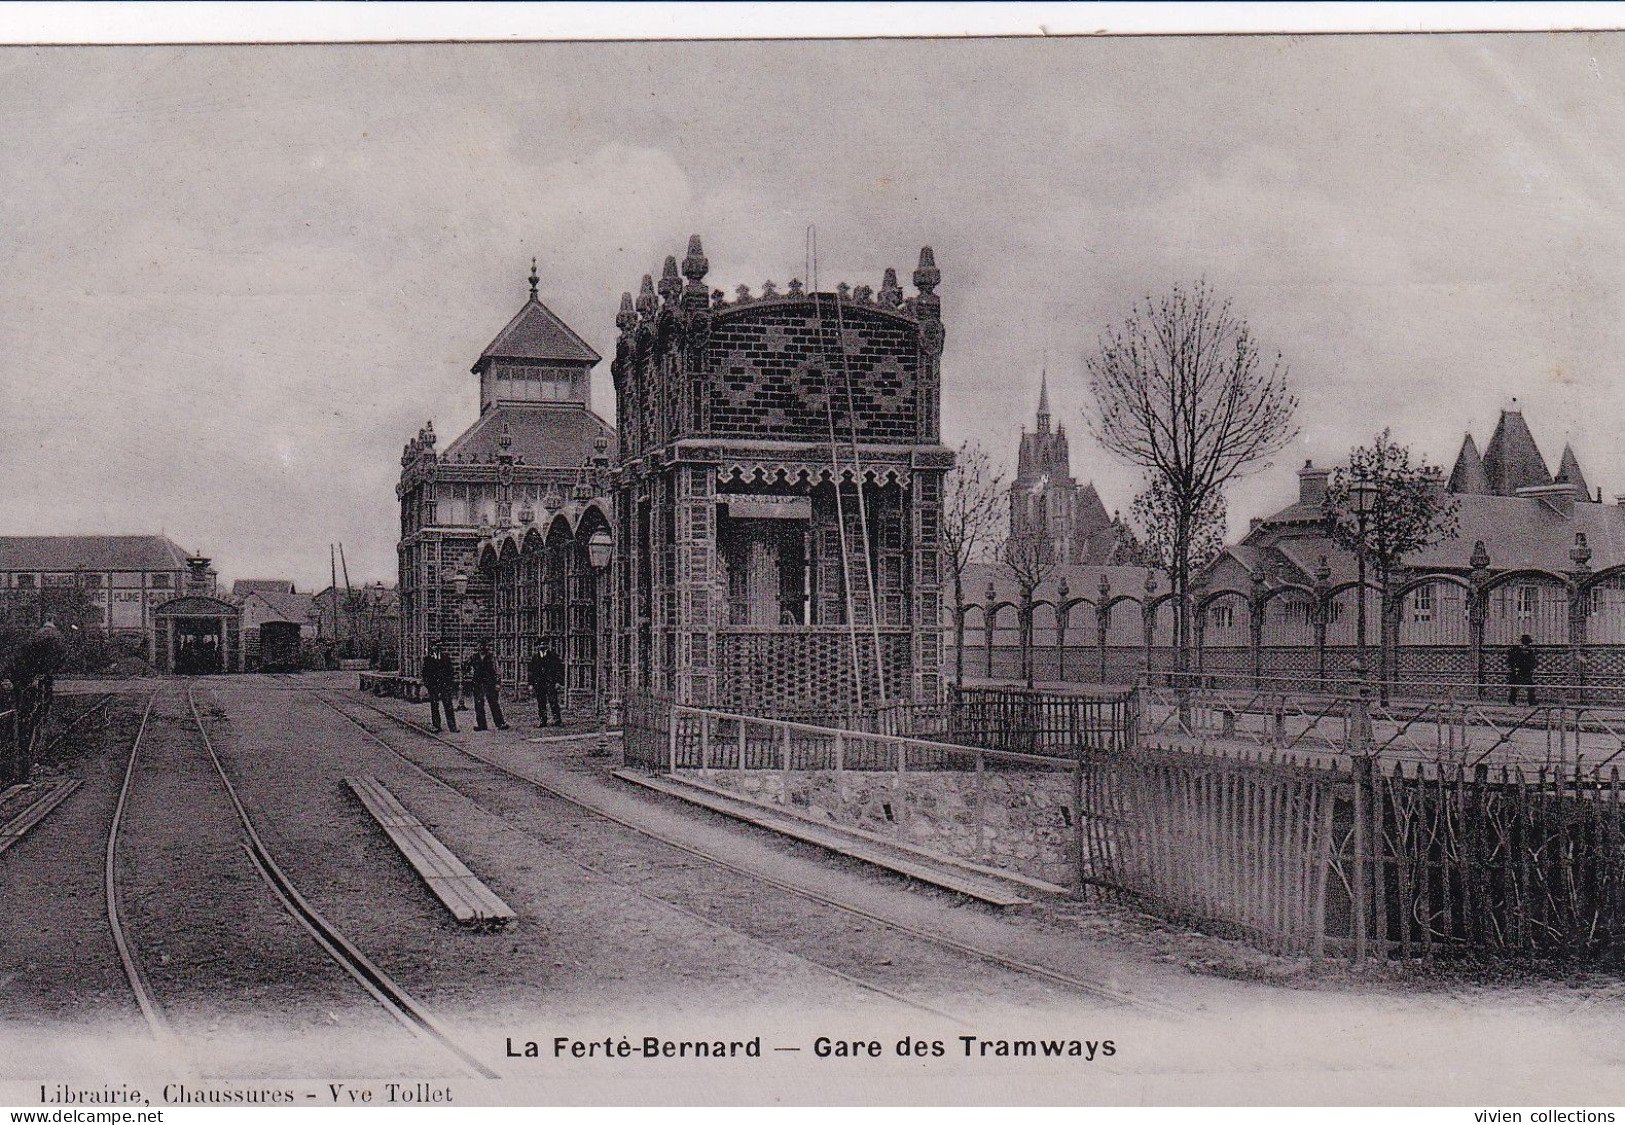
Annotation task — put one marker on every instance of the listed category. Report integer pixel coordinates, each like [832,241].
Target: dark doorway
[198,647]
[279,646]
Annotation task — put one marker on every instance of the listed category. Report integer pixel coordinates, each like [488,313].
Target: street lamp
[459,584]
[1363,494]
[600,545]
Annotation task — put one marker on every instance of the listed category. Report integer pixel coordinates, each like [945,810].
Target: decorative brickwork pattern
[779,368]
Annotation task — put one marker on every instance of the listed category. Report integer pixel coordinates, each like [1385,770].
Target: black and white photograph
[1043,569]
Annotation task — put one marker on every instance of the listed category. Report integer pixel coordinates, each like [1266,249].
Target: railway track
[386,992]
[1092,989]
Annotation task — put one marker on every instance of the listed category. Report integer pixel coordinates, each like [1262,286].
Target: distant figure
[482,672]
[1521,670]
[439,682]
[546,678]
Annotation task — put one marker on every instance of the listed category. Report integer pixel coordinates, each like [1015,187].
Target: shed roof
[90,552]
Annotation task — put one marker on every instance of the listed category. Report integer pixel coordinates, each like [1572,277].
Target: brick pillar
[924,500]
[694,591]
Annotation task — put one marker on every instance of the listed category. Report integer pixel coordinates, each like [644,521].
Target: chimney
[1312,485]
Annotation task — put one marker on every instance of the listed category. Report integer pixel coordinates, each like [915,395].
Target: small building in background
[197,633]
[276,622]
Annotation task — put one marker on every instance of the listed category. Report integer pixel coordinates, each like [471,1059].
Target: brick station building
[778,493]
[477,514]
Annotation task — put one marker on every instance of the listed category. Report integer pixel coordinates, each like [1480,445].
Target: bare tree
[973,512]
[1181,390]
[1030,557]
[1153,510]
[1408,511]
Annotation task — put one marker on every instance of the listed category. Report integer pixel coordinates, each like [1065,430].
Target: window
[160,581]
[90,580]
[25,582]
[1221,616]
[1525,600]
[1422,604]
[1337,612]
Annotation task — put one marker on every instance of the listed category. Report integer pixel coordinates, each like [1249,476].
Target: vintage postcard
[867,571]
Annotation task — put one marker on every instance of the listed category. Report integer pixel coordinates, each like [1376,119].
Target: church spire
[1043,402]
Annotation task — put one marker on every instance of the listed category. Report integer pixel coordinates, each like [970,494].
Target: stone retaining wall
[1027,816]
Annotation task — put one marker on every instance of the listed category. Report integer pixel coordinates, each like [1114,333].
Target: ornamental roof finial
[927,276]
[670,283]
[534,280]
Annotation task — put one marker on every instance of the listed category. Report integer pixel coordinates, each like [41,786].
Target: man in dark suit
[546,678]
[1521,669]
[482,674]
[439,682]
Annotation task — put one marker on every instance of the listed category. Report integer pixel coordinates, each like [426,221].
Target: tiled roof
[90,552]
[288,606]
[537,333]
[1512,460]
[1568,472]
[245,586]
[1468,475]
[1519,532]
[558,434]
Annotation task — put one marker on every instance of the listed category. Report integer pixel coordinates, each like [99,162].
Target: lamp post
[459,585]
[1363,492]
[600,547]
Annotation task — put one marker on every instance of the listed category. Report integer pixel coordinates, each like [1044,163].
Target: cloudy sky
[235,280]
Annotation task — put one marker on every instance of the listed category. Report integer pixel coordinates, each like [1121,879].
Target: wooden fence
[1367,858]
[1244,844]
[1409,861]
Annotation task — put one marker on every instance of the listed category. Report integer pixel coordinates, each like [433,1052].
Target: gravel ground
[51,886]
[582,941]
[621,935]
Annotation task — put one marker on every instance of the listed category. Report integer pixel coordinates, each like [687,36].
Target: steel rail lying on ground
[1089,988]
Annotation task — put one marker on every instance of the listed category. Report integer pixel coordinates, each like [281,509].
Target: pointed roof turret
[1468,476]
[1043,402]
[1568,472]
[1512,460]
[536,333]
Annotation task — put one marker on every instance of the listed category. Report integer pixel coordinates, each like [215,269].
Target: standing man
[483,672]
[438,681]
[1521,670]
[546,678]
